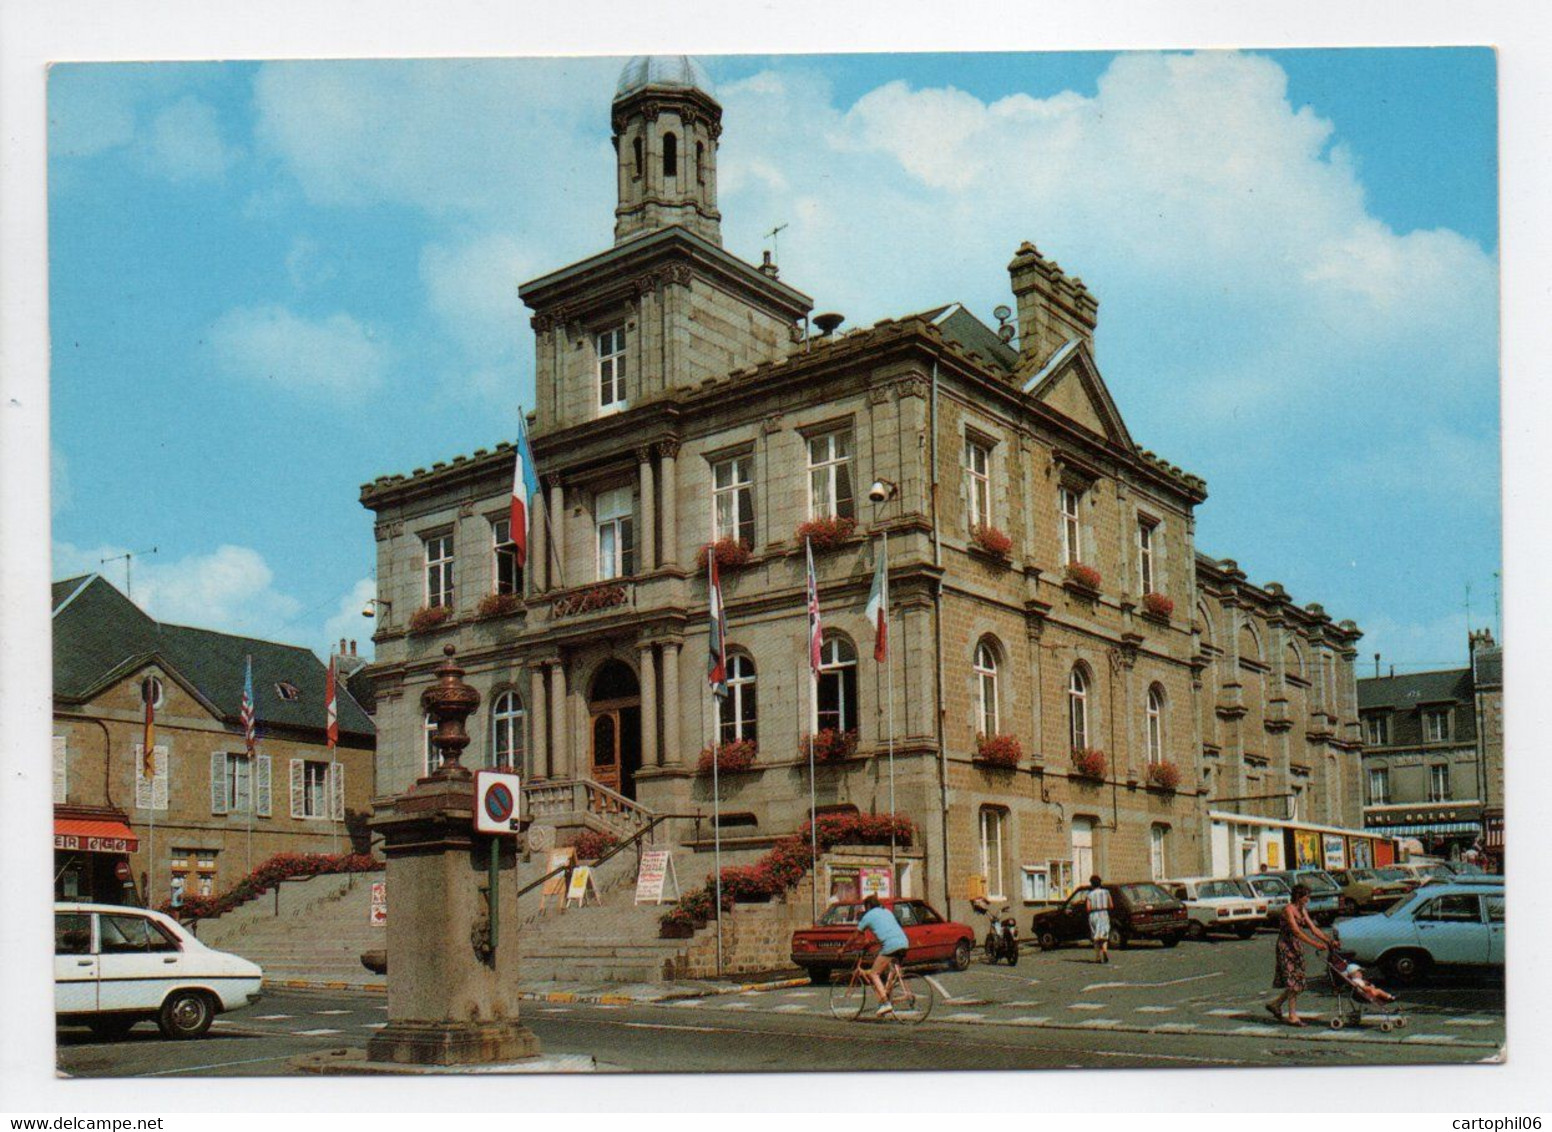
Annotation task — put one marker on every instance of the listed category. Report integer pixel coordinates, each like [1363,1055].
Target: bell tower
[666,126]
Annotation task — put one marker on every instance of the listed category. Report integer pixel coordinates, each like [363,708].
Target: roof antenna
[774,236]
[128,557]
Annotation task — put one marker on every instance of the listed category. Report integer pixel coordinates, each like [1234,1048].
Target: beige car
[1217,904]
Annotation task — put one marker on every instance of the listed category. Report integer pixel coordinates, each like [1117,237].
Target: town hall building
[1075,687]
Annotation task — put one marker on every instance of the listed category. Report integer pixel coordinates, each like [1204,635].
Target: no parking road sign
[496,794]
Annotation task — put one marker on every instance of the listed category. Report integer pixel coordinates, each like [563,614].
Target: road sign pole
[495,890]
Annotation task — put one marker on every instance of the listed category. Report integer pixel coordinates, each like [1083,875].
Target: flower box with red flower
[1090,762]
[830,745]
[1003,751]
[429,617]
[827,533]
[1083,576]
[1158,606]
[1164,775]
[989,540]
[731,554]
[592,844]
[731,757]
[499,605]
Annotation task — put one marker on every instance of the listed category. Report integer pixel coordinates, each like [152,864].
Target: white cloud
[272,345]
[347,621]
[230,589]
[306,266]
[184,142]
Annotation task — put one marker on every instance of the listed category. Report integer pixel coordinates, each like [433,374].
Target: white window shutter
[143,790]
[61,771]
[161,786]
[337,792]
[219,802]
[261,787]
[298,786]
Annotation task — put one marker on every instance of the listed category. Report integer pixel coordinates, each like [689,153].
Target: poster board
[656,876]
[581,887]
[1335,856]
[874,881]
[555,887]
[1361,851]
[1306,849]
[1274,856]
[378,915]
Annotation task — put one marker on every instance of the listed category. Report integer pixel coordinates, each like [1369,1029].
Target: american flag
[331,701]
[815,629]
[250,724]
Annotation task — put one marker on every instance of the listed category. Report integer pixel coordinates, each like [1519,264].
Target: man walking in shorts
[1099,904]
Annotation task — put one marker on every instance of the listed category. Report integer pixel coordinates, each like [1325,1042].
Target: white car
[115,966]
[1217,905]
[1439,925]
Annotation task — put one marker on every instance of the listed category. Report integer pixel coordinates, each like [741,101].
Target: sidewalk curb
[312,984]
[602,998]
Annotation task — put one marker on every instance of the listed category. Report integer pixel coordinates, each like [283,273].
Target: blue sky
[271,283]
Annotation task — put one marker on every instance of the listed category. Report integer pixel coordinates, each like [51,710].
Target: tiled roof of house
[1407,695]
[1487,662]
[101,634]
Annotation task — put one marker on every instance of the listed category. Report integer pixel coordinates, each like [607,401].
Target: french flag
[525,485]
[716,660]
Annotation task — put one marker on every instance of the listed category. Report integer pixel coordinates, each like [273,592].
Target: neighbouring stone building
[1433,753]
[210,813]
[1045,583]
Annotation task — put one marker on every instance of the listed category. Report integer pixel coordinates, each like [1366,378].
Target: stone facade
[1002,465]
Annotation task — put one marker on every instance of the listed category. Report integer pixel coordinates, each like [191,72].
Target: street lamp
[370,608]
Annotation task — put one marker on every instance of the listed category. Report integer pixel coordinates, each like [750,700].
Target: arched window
[670,155]
[433,758]
[506,731]
[700,162]
[986,686]
[1155,724]
[1078,708]
[837,685]
[737,709]
[636,151]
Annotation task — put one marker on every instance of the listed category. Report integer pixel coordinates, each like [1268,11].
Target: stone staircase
[314,933]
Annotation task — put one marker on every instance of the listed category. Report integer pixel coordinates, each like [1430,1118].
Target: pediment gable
[1069,384]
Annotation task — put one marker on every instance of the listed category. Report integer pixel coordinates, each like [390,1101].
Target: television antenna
[128,558]
[774,236]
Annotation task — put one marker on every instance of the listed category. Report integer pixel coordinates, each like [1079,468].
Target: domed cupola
[666,126]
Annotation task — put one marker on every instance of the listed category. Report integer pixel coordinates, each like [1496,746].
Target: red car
[931,938]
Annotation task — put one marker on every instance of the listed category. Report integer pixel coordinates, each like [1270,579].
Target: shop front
[91,856]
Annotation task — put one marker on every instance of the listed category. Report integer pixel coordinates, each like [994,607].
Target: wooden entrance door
[606,747]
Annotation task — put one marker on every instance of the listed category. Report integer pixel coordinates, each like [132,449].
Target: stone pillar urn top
[450,702]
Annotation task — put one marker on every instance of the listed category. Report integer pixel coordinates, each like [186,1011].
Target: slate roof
[1407,695]
[100,635]
[1488,666]
[959,325]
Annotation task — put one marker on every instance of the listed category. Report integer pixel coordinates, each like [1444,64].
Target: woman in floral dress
[1297,928]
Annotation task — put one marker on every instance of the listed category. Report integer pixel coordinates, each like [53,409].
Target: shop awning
[1425,827]
[89,835]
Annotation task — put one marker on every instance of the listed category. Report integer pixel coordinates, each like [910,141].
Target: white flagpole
[716,814]
[889,683]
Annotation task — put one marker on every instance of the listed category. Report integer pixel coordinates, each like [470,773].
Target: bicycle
[911,995]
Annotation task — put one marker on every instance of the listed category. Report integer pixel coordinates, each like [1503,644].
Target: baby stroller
[1357,998]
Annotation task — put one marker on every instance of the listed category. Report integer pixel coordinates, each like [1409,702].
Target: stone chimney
[1053,308]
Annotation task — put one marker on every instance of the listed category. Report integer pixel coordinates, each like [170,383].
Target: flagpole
[716,815]
[889,683]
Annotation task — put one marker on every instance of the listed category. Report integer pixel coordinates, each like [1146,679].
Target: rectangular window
[315,789]
[1072,532]
[1037,884]
[1145,531]
[978,471]
[1379,787]
[508,575]
[1296,803]
[732,512]
[610,346]
[1436,725]
[239,783]
[439,570]
[1439,783]
[614,515]
[1377,728]
[992,822]
[829,477]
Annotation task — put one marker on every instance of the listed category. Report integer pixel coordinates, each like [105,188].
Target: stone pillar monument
[452,997]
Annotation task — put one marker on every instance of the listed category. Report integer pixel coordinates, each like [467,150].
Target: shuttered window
[61,771]
[263,792]
[151,793]
[220,801]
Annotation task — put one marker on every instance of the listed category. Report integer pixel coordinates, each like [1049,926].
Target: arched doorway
[614,728]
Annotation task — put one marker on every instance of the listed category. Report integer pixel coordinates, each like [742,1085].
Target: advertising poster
[1306,849]
[1335,852]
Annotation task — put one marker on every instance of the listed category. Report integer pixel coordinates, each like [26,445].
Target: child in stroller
[1353,991]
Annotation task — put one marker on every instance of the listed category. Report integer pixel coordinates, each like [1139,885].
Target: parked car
[1140,911]
[1217,905]
[1424,872]
[930,938]
[1326,901]
[1271,889]
[1445,925]
[116,966]
[1371,890]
